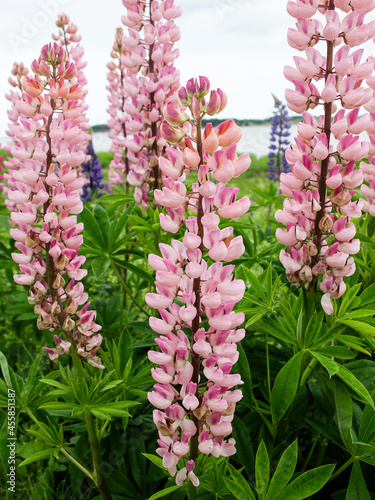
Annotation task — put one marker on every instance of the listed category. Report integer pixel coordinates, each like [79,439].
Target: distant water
[254,140]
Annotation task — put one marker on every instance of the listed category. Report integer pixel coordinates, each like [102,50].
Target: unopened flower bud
[311,249]
[58,281]
[68,324]
[325,223]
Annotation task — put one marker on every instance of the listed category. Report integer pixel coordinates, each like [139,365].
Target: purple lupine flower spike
[93,171]
[279,140]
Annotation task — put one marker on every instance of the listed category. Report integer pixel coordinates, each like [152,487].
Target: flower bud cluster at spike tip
[45,193]
[142,80]
[93,172]
[279,141]
[319,209]
[69,38]
[195,392]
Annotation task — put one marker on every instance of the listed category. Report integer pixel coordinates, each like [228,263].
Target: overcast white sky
[239,44]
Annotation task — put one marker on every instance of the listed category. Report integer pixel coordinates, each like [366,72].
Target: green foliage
[305,427]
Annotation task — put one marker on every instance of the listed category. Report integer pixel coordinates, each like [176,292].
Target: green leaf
[37,456]
[367,425]
[57,405]
[255,316]
[158,461]
[262,470]
[358,313]
[256,287]
[357,489]
[276,329]
[240,480]
[164,492]
[284,471]
[307,483]
[368,295]
[237,491]
[331,366]
[359,326]
[344,413]
[337,352]
[285,387]
[101,216]
[92,229]
[244,447]
[100,266]
[243,369]
[5,369]
[289,318]
[355,385]
[134,269]
[313,328]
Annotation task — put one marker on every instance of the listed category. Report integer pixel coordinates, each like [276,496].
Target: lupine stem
[195,359]
[92,434]
[127,291]
[192,491]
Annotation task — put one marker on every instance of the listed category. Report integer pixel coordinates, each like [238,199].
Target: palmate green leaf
[344,413]
[134,269]
[337,352]
[313,328]
[5,370]
[368,295]
[37,456]
[359,326]
[13,380]
[367,426]
[244,447]
[262,471]
[243,369]
[349,299]
[255,315]
[238,478]
[331,366]
[289,318]
[57,384]
[284,471]
[357,386]
[276,329]
[358,313]
[58,405]
[354,343]
[285,387]
[307,484]
[116,229]
[357,489]
[158,461]
[165,492]
[326,431]
[101,216]
[92,229]
[237,491]
[100,266]
[256,287]
[331,334]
